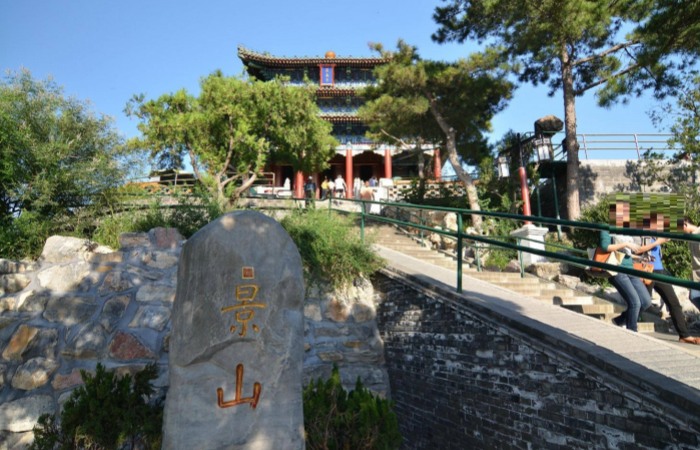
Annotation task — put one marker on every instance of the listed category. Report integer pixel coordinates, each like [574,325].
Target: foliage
[446,104]
[335,419]
[598,213]
[574,47]
[141,212]
[330,247]
[500,257]
[233,129]
[106,412]
[57,158]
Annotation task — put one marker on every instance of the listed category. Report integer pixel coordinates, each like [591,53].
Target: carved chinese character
[238,400]
[245,309]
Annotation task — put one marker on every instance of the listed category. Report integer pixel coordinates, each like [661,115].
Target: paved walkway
[659,363]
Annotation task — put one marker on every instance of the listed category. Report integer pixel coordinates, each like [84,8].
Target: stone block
[236,349]
[21,415]
[34,373]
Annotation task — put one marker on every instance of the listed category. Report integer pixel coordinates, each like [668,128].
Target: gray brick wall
[462,380]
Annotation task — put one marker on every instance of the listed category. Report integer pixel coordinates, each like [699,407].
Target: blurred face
[620,214]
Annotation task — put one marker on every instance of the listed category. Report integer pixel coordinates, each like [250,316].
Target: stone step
[528,285]
[599,310]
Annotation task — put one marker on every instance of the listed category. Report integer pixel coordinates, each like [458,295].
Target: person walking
[667,292]
[689,227]
[630,288]
[340,187]
[324,188]
[309,192]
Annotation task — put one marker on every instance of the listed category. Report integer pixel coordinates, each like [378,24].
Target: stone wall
[460,379]
[601,177]
[81,304]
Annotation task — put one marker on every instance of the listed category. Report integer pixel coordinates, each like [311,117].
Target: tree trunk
[464,177]
[573,207]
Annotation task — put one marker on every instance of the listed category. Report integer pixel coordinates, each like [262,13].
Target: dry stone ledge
[117,311]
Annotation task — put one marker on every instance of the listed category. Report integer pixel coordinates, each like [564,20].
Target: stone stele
[236,350]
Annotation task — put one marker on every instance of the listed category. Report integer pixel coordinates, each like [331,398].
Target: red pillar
[348,172]
[387,163]
[437,165]
[299,185]
[525,192]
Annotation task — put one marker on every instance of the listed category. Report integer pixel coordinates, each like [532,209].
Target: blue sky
[107,51]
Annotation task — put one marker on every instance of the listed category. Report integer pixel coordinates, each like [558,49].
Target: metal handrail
[460,235]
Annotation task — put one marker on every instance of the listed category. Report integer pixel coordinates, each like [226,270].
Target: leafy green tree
[56,156]
[572,45]
[233,129]
[449,104]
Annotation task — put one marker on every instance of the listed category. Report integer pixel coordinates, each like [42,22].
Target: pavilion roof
[266,59]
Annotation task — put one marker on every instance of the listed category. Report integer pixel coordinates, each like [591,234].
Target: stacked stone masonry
[81,304]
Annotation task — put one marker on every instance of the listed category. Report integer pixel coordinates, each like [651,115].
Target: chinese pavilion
[338,79]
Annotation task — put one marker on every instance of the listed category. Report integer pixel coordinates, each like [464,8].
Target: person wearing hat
[309,192]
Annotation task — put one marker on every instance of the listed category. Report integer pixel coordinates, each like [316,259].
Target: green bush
[190,214]
[334,419]
[24,237]
[330,247]
[107,412]
[598,213]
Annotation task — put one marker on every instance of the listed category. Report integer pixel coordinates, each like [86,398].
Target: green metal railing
[479,241]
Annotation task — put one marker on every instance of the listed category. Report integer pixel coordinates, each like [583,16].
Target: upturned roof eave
[248,56]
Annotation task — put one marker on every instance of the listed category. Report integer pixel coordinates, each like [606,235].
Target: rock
[236,350]
[32,301]
[22,414]
[126,346]
[65,277]
[9,266]
[115,281]
[154,317]
[34,373]
[72,379]
[512,266]
[165,238]
[89,343]
[129,240]
[545,270]
[159,260]
[336,310]
[14,282]
[156,293]
[70,310]
[19,342]
[61,249]
[112,312]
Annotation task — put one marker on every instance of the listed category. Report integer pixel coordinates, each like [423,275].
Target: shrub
[334,419]
[330,247]
[582,238]
[107,412]
[190,214]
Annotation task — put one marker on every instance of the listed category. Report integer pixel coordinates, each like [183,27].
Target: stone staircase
[529,285]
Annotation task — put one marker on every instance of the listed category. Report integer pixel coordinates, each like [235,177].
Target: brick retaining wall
[461,379]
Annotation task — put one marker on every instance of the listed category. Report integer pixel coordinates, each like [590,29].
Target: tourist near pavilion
[339,80]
